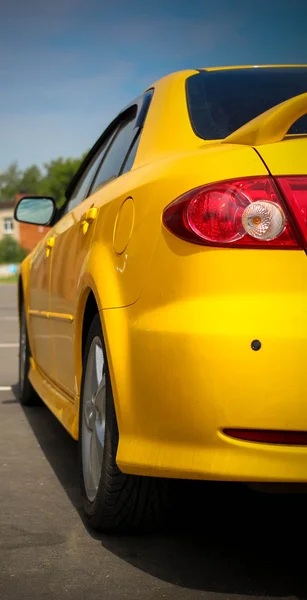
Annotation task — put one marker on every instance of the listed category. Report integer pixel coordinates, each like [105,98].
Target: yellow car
[163,318]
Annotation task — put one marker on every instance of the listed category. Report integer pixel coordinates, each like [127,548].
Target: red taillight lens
[242,213]
[295,192]
[267,436]
[216,214]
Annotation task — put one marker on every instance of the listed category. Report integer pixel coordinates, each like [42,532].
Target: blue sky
[68,66]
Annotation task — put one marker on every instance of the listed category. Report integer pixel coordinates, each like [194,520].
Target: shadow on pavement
[10,401]
[223,539]
[13,400]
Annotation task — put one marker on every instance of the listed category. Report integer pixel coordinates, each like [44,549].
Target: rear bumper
[186,371]
[227,460]
[195,378]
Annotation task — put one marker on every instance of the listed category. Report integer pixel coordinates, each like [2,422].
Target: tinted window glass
[131,155]
[222,101]
[116,155]
[84,184]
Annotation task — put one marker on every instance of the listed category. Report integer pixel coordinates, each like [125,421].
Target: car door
[70,242]
[39,326]
[72,239]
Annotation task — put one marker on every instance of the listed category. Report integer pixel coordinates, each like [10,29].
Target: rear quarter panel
[184,368]
[288,157]
[170,283]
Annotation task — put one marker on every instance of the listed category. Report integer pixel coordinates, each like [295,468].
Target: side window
[83,186]
[114,158]
[131,155]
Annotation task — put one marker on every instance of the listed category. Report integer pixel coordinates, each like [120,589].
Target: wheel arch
[90,311]
[114,326]
[86,310]
[115,331]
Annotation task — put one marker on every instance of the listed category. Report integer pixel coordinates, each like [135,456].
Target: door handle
[49,245]
[88,217]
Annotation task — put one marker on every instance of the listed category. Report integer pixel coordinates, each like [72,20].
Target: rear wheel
[26,393]
[112,500]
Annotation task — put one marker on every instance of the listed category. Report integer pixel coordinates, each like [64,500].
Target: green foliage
[11,251]
[58,175]
[53,182]
[10,182]
[31,180]
[10,279]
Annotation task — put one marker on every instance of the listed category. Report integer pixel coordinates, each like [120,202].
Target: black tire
[124,503]
[26,393]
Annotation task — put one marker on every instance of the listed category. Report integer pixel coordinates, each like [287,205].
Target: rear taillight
[294,189]
[242,213]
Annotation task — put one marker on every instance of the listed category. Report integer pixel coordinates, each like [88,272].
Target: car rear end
[219,336]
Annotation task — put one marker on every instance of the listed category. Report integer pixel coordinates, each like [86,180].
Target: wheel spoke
[96,453]
[99,398]
[99,364]
[90,484]
[99,434]
[93,418]
[89,414]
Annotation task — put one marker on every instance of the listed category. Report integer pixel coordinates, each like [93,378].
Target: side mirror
[38,210]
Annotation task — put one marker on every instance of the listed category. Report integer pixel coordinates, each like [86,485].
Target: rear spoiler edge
[272,125]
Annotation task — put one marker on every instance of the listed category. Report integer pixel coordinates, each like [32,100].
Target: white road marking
[5,388]
[9,345]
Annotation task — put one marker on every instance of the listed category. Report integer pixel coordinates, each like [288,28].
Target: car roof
[231,68]
[189,72]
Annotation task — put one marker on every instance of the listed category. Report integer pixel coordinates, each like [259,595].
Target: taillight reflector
[242,213]
[290,438]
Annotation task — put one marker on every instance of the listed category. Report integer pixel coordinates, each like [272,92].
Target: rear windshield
[222,101]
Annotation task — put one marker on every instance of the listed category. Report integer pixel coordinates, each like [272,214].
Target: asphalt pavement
[222,543]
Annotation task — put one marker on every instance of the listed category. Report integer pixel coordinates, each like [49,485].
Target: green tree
[11,251]
[58,175]
[31,180]
[10,181]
